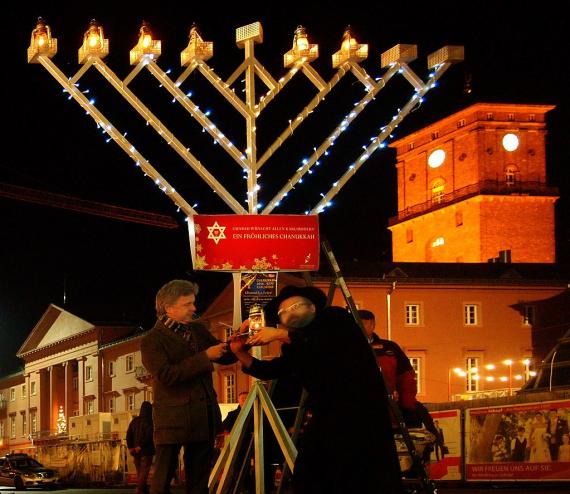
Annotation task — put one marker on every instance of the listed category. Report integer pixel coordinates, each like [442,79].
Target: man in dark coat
[178,352]
[141,445]
[555,428]
[346,444]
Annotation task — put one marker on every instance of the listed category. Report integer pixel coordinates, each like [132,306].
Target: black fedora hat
[315,295]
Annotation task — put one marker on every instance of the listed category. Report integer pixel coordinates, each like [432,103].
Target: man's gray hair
[171,292]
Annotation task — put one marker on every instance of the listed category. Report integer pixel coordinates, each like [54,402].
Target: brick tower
[472,188]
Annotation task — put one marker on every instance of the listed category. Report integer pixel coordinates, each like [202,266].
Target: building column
[81,384]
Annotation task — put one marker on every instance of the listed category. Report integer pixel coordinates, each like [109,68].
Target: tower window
[409,235]
[511,172]
[511,117]
[435,134]
[531,117]
[410,146]
[437,190]
[489,116]
[458,218]
[461,123]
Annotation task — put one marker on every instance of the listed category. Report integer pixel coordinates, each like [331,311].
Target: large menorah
[298,61]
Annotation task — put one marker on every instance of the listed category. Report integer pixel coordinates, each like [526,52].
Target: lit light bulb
[301,42]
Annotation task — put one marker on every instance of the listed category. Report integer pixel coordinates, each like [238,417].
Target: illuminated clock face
[510,142]
[436,158]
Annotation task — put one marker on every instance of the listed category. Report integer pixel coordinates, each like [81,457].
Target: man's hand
[238,341]
[267,335]
[217,351]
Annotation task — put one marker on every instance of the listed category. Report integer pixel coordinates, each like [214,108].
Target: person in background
[440,447]
[556,427]
[398,371]
[346,445]
[519,445]
[179,353]
[232,416]
[141,445]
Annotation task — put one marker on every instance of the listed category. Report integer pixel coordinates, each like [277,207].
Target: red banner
[255,242]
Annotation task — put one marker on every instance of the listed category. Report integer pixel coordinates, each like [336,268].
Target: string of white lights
[378,141]
[117,136]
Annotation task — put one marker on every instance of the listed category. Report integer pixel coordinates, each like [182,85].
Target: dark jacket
[230,419]
[140,432]
[184,395]
[347,445]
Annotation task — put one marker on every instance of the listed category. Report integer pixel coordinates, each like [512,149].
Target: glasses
[292,308]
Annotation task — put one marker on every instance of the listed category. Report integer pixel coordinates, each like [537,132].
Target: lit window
[439,241]
[24,390]
[130,401]
[511,172]
[471,377]
[12,394]
[230,388]
[32,388]
[34,421]
[417,366]
[88,373]
[438,190]
[470,314]
[130,363]
[90,407]
[24,423]
[12,426]
[528,315]
[436,158]
[412,314]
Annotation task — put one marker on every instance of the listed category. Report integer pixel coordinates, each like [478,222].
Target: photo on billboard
[518,442]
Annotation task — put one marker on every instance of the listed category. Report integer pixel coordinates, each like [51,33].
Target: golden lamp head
[147,47]
[302,50]
[41,42]
[197,48]
[350,50]
[94,43]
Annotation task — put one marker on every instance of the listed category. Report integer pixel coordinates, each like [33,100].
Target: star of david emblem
[216,232]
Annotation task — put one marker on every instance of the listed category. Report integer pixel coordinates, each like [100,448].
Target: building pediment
[55,325]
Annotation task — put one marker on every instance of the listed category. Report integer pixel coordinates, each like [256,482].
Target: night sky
[109,270]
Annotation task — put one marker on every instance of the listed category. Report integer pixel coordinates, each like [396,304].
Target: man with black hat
[346,445]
